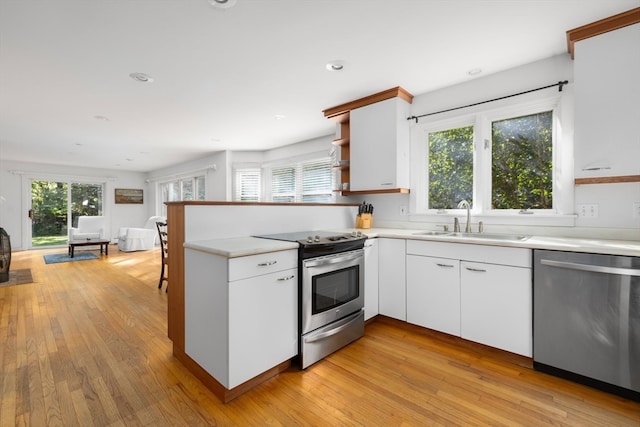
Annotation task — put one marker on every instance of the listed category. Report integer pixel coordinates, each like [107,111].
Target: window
[310,182]
[450,167]
[183,189]
[521,153]
[500,161]
[247,185]
[283,184]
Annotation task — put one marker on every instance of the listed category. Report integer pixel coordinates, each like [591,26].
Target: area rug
[18,277]
[78,256]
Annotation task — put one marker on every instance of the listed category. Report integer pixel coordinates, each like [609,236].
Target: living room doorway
[56,205]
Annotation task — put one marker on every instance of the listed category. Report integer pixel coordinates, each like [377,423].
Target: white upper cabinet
[607,111]
[380,146]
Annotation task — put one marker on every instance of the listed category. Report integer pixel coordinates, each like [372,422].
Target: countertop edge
[571,244]
[240,246]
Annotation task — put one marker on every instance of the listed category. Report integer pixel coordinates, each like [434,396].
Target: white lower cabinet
[392,278]
[460,289]
[370,278]
[433,293]
[495,306]
[241,314]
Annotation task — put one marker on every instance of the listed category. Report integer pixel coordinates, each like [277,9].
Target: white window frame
[238,173]
[298,165]
[162,208]
[481,118]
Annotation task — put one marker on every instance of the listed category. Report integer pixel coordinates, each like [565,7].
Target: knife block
[364,220]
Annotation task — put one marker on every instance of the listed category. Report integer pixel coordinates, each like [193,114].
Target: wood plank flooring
[86,345]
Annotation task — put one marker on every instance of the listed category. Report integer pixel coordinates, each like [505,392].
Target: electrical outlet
[636,210]
[588,211]
[404,210]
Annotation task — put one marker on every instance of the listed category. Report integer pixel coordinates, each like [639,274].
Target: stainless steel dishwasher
[586,319]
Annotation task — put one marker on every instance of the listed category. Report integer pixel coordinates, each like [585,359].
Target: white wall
[15,191]
[615,219]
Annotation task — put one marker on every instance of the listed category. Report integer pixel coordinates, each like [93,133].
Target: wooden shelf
[607,179]
[385,191]
[340,142]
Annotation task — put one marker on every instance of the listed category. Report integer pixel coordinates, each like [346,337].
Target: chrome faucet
[464,204]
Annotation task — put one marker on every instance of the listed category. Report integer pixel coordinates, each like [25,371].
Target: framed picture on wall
[127,195]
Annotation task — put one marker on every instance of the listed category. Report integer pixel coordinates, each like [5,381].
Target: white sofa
[89,227]
[139,239]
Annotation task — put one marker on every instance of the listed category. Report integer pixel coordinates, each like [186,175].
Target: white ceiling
[221,76]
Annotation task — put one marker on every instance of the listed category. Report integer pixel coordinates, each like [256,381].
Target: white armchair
[139,239]
[89,227]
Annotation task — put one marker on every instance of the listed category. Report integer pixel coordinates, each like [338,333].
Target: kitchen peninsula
[227,242]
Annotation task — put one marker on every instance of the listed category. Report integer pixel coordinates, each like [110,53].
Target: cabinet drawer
[518,257]
[256,265]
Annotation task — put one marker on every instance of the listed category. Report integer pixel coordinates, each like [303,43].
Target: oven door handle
[333,260]
[348,321]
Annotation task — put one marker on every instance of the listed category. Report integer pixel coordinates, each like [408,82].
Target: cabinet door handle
[444,265]
[479,270]
[266,264]
[284,279]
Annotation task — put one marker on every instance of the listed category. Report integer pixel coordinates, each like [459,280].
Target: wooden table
[89,242]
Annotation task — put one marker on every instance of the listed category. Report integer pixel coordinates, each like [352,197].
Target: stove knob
[316,238]
[309,239]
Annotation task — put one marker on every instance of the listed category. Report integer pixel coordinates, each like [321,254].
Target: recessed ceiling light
[141,77]
[222,4]
[474,71]
[103,118]
[280,116]
[335,65]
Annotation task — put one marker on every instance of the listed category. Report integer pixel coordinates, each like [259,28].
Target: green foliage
[522,162]
[450,167]
[86,199]
[49,208]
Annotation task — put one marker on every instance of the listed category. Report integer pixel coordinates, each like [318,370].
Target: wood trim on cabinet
[339,112]
[608,179]
[175,284]
[602,26]
[384,191]
[224,394]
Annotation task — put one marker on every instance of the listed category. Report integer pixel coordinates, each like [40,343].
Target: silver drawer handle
[444,265]
[284,279]
[592,268]
[479,270]
[266,264]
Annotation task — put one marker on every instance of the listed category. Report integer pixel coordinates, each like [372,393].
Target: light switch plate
[636,210]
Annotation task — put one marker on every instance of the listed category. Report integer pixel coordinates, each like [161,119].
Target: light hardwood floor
[86,345]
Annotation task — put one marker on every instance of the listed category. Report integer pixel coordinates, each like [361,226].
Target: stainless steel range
[331,290]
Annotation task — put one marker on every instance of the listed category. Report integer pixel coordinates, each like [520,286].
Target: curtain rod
[559,84]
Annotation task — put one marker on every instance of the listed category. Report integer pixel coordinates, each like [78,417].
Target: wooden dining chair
[162,233]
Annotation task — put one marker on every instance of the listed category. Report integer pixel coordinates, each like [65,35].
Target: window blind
[248,184]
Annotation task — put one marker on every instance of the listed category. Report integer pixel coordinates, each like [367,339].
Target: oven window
[334,288]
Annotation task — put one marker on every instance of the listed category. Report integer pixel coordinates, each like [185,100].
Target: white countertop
[244,246]
[240,246]
[601,246]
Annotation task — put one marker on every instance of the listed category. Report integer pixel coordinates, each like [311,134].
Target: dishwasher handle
[592,268]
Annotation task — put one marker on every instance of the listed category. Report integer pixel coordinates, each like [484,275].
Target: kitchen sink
[433,233]
[489,236]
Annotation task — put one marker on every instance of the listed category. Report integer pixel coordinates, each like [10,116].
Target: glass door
[48,213]
[56,206]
